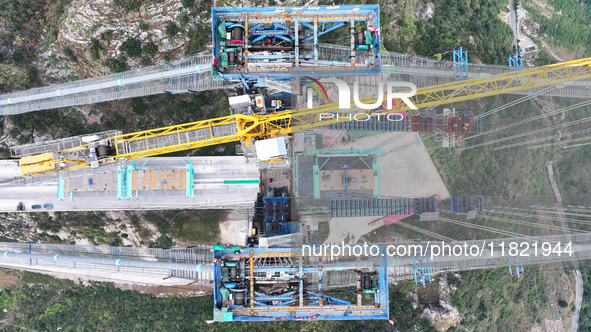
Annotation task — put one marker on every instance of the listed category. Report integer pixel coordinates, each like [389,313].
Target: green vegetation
[490,299]
[203,230]
[60,123]
[129,4]
[585,315]
[94,49]
[101,307]
[12,77]
[176,227]
[145,62]
[198,36]
[132,47]
[188,3]
[475,25]
[43,303]
[150,48]
[24,24]
[144,26]
[90,225]
[107,36]
[574,171]
[184,18]
[456,22]
[188,226]
[117,65]
[68,52]
[172,29]
[567,27]
[127,115]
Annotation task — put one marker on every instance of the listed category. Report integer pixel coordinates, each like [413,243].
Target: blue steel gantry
[270,284]
[460,57]
[256,44]
[422,270]
[515,61]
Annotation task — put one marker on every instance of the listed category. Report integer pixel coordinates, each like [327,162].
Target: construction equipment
[249,128]
[269,284]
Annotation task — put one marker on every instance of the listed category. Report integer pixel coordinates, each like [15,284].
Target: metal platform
[188,74]
[175,138]
[270,284]
[24,150]
[249,43]
[121,263]
[366,207]
[375,124]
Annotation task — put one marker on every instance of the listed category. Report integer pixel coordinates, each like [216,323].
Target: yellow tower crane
[247,128]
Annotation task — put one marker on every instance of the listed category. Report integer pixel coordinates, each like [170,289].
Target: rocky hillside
[93,32]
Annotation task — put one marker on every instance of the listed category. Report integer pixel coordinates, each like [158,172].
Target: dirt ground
[185,290]
[9,277]
[353,228]
[234,230]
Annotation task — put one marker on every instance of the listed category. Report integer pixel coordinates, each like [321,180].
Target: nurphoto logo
[345,94]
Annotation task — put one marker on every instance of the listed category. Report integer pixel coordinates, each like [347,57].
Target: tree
[145,62]
[128,4]
[150,48]
[172,29]
[184,18]
[132,47]
[117,65]
[94,49]
[188,3]
[107,36]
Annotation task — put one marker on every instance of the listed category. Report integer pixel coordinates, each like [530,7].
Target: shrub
[145,62]
[107,36]
[117,65]
[128,4]
[94,49]
[172,29]
[67,51]
[188,3]
[138,107]
[144,26]
[132,47]
[150,48]
[184,18]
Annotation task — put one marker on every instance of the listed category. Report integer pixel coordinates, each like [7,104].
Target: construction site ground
[406,170]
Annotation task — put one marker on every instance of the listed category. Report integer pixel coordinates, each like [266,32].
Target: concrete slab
[219,182]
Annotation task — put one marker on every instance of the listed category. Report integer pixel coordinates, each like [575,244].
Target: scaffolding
[367,207]
[460,57]
[191,264]
[190,74]
[268,284]
[422,270]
